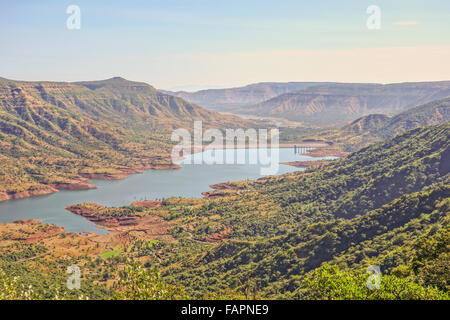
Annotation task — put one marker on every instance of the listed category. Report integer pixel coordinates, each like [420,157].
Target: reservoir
[189,181]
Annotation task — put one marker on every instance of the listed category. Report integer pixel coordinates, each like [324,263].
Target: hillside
[367,124]
[432,113]
[232,99]
[121,101]
[376,127]
[365,209]
[308,235]
[54,135]
[333,104]
[389,237]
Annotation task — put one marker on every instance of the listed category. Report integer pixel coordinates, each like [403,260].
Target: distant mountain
[432,113]
[337,103]
[232,99]
[370,123]
[376,127]
[114,99]
[53,133]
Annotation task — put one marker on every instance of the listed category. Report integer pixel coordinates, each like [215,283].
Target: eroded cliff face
[231,99]
[54,134]
[344,102]
[118,100]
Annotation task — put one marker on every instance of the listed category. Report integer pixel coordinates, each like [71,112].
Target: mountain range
[233,99]
[323,104]
[336,103]
[302,235]
[116,99]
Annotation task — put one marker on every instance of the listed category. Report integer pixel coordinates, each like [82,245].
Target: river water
[189,181]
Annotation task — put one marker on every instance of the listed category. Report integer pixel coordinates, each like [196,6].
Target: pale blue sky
[212,43]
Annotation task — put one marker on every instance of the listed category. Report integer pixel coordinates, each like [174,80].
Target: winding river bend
[190,181]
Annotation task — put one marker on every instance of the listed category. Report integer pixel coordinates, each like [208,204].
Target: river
[189,181]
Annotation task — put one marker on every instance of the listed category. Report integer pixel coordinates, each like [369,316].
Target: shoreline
[308,164]
[83,183]
[85,178]
[154,227]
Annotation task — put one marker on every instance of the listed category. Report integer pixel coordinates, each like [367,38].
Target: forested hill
[376,127]
[306,235]
[432,113]
[372,176]
[374,207]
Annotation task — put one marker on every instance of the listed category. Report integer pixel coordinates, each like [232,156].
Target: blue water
[189,181]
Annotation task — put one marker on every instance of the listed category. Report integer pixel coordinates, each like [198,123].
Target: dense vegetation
[374,207]
[377,127]
[304,235]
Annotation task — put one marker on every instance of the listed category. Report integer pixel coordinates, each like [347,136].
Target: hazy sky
[216,43]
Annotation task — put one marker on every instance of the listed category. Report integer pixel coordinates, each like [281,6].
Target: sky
[196,44]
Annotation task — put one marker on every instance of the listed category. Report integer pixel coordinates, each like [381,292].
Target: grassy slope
[374,207]
[49,132]
[397,189]
[377,127]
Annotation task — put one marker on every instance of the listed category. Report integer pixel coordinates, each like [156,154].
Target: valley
[55,135]
[189,181]
[107,197]
[320,104]
[282,154]
[199,244]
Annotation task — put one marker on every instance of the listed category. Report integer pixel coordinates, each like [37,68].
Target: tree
[11,290]
[138,283]
[331,283]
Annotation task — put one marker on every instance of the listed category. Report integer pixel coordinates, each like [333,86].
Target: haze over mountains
[232,99]
[321,103]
